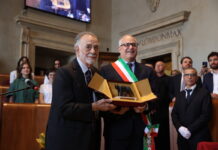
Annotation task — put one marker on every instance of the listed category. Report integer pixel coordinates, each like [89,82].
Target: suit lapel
[210,82]
[184,103]
[179,78]
[137,70]
[80,78]
[193,96]
[114,75]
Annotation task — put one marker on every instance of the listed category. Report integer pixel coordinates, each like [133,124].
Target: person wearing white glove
[191,113]
[184,132]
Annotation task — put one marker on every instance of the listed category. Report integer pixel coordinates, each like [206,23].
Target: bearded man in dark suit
[192,112]
[74,123]
[124,127]
[210,81]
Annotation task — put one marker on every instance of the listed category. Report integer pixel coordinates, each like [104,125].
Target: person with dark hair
[25,96]
[57,63]
[13,74]
[210,81]
[74,121]
[192,112]
[45,90]
[177,82]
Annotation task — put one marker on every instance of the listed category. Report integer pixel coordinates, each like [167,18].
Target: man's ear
[76,48]
[119,49]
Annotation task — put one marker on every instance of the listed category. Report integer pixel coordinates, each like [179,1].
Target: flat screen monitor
[73,9]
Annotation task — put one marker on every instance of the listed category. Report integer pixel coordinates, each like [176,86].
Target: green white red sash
[150,131]
[124,71]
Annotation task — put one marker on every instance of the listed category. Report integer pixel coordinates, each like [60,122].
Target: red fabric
[207,146]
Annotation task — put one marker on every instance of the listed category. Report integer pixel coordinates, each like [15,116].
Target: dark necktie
[130,65]
[188,94]
[88,75]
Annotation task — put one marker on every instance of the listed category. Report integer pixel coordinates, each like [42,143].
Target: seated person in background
[210,81]
[192,112]
[13,74]
[57,65]
[27,95]
[45,90]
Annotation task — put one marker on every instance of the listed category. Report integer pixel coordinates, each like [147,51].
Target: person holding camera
[210,81]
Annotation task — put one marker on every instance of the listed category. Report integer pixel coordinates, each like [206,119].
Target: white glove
[184,132]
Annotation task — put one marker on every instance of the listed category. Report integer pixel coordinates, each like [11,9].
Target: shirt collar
[212,71]
[192,87]
[82,65]
[133,62]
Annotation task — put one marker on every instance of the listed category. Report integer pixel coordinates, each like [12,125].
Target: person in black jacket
[192,112]
[124,128]
[177,83]
[161,114]
[74,123]
[210,81]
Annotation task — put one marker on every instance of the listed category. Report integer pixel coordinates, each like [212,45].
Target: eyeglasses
[190,74]
[128,44]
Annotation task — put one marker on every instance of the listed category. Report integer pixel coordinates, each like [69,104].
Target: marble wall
[110,20]
[198,33]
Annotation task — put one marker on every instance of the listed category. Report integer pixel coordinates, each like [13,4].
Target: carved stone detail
[35,32]
[161,37]
[153,4]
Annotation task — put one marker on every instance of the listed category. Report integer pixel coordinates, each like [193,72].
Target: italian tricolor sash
[124,71]
[150,130]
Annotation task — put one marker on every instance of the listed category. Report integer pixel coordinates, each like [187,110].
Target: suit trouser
[131,143]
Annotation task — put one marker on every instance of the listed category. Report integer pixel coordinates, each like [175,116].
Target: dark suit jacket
[176,84]
[72,124]
[208,82]
[131,123]
[195,115]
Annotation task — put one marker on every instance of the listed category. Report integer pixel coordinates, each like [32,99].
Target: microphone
[30,84]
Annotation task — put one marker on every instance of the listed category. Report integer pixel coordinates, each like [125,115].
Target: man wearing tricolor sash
[124,126]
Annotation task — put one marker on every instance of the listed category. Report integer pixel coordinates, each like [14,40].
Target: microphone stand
[15,91]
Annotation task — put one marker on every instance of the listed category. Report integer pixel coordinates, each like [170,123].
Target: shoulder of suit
[204,90]
[140,65]
[209,74]
[106,67]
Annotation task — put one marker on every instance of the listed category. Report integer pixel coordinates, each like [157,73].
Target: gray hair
[120,40]
[80,35]
[191,68]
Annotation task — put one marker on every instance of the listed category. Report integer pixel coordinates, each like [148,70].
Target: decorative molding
[38,32]
[177,18]
[153,5]
[27,21]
